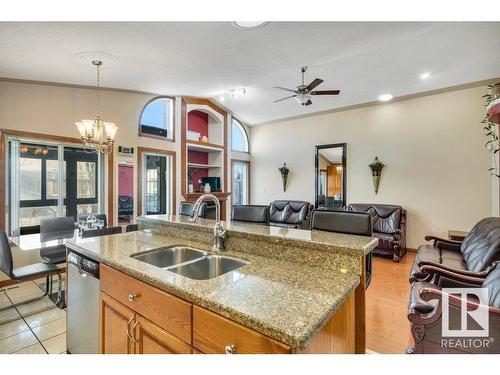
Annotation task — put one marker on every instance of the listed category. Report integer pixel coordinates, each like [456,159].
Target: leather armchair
[290,214]
[425,315]
[454,263]
[389,226]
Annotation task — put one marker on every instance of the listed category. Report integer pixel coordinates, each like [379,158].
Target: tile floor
[37,327]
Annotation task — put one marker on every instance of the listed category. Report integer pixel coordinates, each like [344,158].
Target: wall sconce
[339,169]
[284,175]
[376,166]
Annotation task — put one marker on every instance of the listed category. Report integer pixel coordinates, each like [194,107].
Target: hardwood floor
[387,327]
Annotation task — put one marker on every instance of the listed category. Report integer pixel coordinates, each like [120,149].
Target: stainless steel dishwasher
[82,335]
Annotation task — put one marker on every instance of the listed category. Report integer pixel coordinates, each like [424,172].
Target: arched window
[239,137]
[157,118]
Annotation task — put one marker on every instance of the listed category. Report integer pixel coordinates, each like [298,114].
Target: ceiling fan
[303,93]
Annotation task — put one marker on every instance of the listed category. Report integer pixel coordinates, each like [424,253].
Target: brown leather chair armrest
[468,277]
[428,294]
[443,243]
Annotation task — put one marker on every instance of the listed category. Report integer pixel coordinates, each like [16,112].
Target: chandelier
[97,135]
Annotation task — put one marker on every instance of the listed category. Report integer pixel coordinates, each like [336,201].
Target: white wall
[436,165]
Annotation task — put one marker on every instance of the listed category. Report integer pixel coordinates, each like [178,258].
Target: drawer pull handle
[230,349]
[132,297]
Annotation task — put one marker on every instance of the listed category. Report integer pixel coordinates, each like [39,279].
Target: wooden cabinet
[151,339]
[137,318]
[214,334]
[114,327]
[123,331]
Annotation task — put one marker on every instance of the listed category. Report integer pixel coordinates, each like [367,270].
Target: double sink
[189,262]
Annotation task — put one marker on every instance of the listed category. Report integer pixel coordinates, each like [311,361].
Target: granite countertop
[361,245]
[288,301]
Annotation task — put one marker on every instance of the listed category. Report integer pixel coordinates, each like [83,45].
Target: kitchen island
[298,291]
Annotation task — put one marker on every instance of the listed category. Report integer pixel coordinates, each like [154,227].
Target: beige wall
[436,166]
[52,110]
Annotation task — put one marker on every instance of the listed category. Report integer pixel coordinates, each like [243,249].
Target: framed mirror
[330,176]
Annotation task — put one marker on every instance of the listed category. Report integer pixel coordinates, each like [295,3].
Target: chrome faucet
[219,233]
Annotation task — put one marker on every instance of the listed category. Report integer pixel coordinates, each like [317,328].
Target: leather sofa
[425,313]
[389,226]
[290,214]
[450,263]
[251,214]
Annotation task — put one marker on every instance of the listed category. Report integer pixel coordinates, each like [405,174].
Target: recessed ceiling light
[221,99]
[238,93]
[425,75]
[249,25]
[385,97]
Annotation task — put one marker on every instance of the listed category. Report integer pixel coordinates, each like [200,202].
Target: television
[214,183]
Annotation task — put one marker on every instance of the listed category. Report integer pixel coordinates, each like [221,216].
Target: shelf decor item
[284,175]
[376,166]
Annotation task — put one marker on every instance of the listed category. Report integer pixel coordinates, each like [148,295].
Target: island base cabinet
[114,327]
[123,331]
[151,339]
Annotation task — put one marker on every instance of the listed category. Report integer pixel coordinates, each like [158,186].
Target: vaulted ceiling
[208,59]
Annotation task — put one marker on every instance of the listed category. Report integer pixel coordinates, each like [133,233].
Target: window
[157,118]
[239,137]
[240,182]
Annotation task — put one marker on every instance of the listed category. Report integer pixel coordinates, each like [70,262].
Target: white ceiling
[208,59]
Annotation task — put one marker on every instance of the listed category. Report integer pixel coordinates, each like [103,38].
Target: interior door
[151,339]
[115,327]
[156,184]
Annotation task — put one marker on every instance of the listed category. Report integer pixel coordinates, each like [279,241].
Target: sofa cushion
[386,218]
[289,212]
[492,282]
[385,241]
[481,247]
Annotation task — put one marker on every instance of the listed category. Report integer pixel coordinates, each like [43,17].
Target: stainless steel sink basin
[170,256]
[209,267]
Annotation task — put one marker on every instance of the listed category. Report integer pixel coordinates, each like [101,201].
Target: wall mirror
[125,192]
[330,176]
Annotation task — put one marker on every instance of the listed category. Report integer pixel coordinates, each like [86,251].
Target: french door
[49,180]
[157,183]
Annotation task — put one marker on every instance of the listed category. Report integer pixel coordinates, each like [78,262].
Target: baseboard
[410,250]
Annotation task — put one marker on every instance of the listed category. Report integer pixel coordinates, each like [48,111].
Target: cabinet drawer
[170,313]
[212,333]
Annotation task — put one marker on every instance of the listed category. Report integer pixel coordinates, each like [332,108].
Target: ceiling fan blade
[325,92]
[308,102]
[313,84]
[288,97]
[284,88]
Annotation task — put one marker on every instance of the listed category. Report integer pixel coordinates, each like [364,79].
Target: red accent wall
[198,122]
[125,180]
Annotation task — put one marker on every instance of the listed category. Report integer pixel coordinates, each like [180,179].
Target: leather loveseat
[447,263]
[425,313]
[389,226]
[290,214]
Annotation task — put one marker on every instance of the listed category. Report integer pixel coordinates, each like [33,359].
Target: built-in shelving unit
[205,156]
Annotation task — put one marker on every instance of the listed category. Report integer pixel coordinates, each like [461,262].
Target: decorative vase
[284,175]
[376,167]
[190,188]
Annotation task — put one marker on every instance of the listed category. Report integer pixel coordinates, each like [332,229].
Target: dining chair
[132,227]
[102,232]
[26,273]
[348,222]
